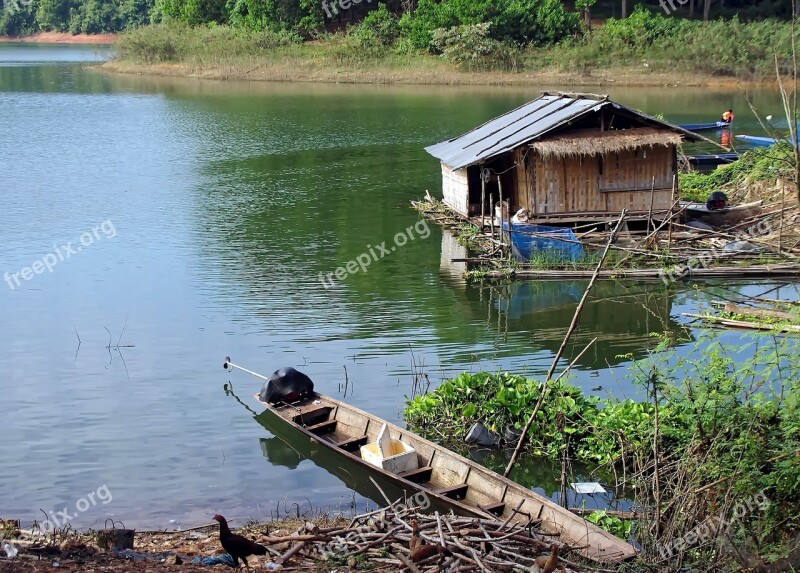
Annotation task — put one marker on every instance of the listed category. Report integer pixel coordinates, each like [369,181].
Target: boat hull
[705,126]
[446,479]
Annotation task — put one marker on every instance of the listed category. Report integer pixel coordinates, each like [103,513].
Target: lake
[174,222]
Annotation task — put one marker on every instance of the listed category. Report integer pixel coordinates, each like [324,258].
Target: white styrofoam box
[389,454]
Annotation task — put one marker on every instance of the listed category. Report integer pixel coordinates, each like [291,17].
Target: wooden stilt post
[483,200]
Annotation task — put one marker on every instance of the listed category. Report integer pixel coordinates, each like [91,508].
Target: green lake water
[198,218]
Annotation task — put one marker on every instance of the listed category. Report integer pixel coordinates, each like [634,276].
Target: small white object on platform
[587,487]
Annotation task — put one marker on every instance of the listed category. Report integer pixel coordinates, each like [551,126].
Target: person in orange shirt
[727,116]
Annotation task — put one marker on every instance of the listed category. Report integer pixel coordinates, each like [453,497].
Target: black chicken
[237,546]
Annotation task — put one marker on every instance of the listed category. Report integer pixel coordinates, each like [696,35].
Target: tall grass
[177,42]
[717,48]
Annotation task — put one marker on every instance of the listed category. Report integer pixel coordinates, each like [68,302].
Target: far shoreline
[61,38]
[294,71]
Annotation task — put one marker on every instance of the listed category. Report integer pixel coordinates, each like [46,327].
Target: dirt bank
[62,38]
[292,70]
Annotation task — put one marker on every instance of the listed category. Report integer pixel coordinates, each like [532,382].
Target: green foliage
[53,15]
[536,22]
[172,42]
[94,17]
[19,21]
[470,48]
[151,45]
[759,164]
[418,27]
[620,527]
[379,28]
[640,30]
[718,47]
[723,418]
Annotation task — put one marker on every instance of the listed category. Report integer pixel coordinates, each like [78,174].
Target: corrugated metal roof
[526,124]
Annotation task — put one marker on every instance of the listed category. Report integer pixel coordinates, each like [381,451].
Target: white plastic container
[389,454]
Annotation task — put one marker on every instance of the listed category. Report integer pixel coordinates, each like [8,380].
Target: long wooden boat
[705,126]
[448,479]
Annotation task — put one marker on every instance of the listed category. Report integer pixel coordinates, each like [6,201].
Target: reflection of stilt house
[564,157]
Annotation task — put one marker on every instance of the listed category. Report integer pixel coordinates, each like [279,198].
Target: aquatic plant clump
[762,164]
[504,400]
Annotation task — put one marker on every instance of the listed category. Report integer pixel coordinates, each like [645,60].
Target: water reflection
[621,315]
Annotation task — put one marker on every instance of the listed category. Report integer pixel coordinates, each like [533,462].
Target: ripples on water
[229,200]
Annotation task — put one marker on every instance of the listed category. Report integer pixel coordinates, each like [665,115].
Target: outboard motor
[717,200]
[286,385]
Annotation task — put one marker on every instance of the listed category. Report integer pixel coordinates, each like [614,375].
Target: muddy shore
[62,38]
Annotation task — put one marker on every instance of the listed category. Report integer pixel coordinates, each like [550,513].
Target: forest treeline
[524,22]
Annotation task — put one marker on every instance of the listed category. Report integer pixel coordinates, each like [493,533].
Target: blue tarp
[550,242]
[222,559]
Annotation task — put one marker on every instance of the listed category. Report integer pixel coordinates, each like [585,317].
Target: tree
[53,14]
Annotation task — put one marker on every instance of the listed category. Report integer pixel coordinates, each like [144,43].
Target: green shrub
[470,48]
[150,45]
[759,164]
[537,22]
[378,28]
[418,27]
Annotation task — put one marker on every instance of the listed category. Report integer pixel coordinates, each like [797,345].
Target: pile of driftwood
[398,538]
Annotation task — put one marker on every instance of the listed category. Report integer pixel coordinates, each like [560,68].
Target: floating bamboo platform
[652,274]
[666,249]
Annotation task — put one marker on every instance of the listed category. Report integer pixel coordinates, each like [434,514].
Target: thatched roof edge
[601,142]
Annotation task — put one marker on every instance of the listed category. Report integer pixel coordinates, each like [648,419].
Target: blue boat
[552,243]
[711,160]
[758,141]
[705,126]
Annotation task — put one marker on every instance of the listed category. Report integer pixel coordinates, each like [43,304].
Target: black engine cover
[286,385]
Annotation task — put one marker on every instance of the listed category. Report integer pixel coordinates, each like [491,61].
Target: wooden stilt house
[564,157]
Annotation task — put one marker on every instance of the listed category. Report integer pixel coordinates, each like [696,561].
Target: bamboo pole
[652,196]
[491,212]
[502,214]
[483,201]
[671,212]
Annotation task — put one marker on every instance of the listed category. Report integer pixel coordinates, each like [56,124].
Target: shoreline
[61,38]
[305,71]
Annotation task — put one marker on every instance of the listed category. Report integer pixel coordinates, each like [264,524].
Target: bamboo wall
[606,183]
